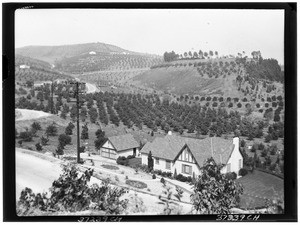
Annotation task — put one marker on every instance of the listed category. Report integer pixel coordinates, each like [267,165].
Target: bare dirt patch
[27,114]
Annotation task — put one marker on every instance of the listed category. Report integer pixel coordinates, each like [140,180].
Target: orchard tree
[60,150]
[85,132]
[73,112]
[44,140]
[93,114]
[69,129]
[83,113]
[51,130]
[64,140]
[213,192]
[200,54]
[26,135]
[40,96]
[38,147]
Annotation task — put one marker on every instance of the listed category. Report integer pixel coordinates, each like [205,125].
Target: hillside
[228,77]
[72,53]
[52,53]
[106,61]
[28,69]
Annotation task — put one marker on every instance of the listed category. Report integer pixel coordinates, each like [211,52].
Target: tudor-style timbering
[185,163]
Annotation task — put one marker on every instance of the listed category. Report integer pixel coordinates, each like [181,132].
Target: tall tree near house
[185,54]
[211,53]
[205,54]
[216,53]
[190,54]
[150,161]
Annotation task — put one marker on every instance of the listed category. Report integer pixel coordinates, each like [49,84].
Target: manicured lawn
[135,161]
[259,186]
[110,167]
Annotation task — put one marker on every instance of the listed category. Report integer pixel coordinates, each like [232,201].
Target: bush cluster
[163,173]
[243,172]
[183,178]
[231,176]
[122,160]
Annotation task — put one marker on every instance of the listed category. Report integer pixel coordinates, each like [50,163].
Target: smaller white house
[92,53]
[186,156]
[122,145]
[24,66]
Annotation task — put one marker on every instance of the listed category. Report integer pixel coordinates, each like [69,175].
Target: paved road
[35,173]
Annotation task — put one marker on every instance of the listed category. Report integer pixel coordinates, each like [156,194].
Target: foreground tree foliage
[213,192]
[71,193]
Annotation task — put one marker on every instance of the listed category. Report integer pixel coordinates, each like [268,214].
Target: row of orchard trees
[172,56]
[151,111]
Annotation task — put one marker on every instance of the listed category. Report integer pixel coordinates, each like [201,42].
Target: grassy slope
[186,80]
[258,186]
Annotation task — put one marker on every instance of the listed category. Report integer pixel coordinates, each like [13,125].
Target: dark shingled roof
[170,146]
[123,142]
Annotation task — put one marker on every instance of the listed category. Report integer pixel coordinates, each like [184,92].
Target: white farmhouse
[187,155]
[122,145]
[92,53]
[24,66]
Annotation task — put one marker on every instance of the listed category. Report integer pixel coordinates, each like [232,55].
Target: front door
[134,151]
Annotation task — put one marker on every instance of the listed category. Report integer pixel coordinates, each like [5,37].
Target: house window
[240,163]
[186,169]
[168,164]
[228,168]
[157,161]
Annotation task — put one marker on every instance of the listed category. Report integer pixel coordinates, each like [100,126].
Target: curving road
[35,173]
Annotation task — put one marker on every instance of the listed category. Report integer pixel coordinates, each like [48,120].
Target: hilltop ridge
[51,54]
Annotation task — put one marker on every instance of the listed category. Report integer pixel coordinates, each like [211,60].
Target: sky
[156,31]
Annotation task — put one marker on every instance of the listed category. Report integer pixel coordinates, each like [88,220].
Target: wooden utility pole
[76,94]
[52,103]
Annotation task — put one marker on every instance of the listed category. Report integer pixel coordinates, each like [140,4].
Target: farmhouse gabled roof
[170,146]
[218,148]
[165,148]
[123,142]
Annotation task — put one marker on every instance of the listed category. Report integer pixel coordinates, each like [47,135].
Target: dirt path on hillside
[27,114]
[91,88]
